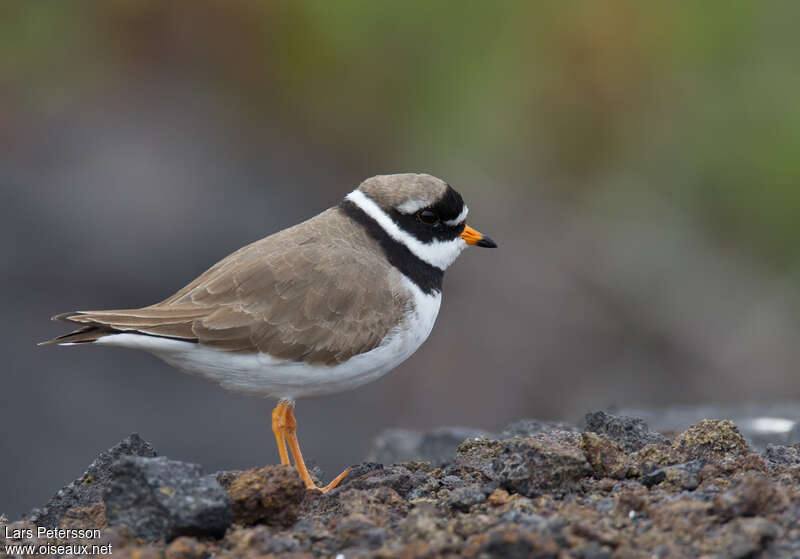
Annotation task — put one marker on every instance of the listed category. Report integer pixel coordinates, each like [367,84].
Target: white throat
[436,253]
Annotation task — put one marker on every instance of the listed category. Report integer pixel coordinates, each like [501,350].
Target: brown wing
[318,292]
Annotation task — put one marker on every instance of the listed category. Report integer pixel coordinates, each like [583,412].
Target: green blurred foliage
[695,101]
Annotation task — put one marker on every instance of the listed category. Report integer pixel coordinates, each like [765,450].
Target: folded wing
[310,293]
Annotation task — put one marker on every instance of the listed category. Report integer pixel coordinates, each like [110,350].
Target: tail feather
[152,321]
[81,335]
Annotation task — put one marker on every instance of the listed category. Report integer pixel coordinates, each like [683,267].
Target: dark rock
[466,525]
[753,495]
[91,517]
[425,491]
[543,492]
[498,497]
[270,495]
[712,441]
[161,499]
[786,456]
[531,427]
[422,523]
[357,530]
[452,482]
[630,432]
[683,476]
[226,478]
[654,477]
[282,544]
[382,505]
[653,456]
[364,469]
[682,515]
[400,478]
[548,461]
[142,552]
[719,475]
[749,537]
[260,542]
[187,548]
[437,447]
[633,497]
[530,521]
[120,536]
[512,541]
[88,489]
[464,497]
[592,551]
[607,458]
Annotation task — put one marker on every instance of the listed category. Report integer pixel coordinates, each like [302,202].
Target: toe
[336,481]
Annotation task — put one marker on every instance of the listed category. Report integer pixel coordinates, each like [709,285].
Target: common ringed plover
[325,306]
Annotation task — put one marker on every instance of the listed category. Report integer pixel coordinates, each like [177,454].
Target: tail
[83,335]
[173,323]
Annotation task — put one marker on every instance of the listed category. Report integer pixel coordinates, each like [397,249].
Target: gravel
[614,489]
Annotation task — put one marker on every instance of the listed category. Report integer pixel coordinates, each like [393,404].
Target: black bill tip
[486,242]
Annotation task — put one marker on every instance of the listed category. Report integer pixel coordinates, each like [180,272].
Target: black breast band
[427,277]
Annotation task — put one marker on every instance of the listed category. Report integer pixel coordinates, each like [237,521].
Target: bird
[321,307]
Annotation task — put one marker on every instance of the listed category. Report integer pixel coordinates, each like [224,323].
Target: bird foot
[310,485]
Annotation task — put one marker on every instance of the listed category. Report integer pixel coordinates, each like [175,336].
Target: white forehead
[412,206]
[462,217]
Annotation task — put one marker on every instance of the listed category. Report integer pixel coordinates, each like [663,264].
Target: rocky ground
[610,489]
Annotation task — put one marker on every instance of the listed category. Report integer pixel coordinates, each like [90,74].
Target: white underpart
[436,253]
[264,375]
[460,219]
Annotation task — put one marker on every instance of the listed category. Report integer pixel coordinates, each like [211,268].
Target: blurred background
[637,163]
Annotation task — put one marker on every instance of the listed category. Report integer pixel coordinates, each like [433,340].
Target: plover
[321,307]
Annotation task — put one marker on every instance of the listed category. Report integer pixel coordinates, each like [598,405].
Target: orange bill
[474,237]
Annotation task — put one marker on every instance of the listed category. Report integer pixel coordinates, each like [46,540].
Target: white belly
[263,375]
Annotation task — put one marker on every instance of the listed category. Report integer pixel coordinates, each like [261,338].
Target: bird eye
[428,217]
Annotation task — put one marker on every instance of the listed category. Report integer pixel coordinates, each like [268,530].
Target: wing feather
[319,292]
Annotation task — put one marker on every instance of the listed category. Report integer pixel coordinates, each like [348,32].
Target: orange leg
[285,428]
[277,428]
